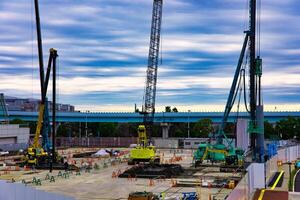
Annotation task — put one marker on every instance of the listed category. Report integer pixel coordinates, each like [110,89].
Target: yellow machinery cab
[143,152]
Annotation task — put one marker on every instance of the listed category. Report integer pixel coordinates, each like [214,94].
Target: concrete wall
[12,136]
[244,190]
[193,143]
[171,143]
[243,139]
[17,191]
[249,183]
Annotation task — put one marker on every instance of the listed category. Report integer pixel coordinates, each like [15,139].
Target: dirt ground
[100,183]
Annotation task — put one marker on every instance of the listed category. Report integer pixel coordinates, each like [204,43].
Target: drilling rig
[144,152]
[41,155]
[227,153]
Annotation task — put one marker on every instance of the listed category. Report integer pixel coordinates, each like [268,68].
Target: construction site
[153,161]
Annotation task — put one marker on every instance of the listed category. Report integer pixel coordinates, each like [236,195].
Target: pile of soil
[153,171]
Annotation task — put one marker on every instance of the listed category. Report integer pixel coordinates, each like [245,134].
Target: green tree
[229,129]
[288,128]
[178,130]
[32,127]
[17,121]
[270,132]
[168,109]
[108,129]
[174,109]
[62,131]
[202,128]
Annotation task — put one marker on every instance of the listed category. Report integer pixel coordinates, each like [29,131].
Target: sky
[103,51]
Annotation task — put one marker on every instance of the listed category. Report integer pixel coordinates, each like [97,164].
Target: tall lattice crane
[153,59]
[145,152]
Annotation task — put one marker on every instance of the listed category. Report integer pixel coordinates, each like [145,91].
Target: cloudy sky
[103,49]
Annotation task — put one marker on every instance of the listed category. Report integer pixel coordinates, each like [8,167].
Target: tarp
[100,153]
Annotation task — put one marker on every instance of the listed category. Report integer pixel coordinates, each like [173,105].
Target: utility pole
[189,111]
[86,128]
[79,129]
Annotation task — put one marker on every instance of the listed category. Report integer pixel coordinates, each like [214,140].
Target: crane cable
[32,56]
[258,26]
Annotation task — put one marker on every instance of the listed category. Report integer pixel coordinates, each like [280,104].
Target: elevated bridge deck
[160,117]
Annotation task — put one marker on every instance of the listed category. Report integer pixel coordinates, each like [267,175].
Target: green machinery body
[218,153]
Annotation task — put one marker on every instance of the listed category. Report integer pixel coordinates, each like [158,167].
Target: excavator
[144,152]
[41,155]
[228,154]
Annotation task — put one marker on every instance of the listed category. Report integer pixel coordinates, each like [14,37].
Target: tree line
[287,128]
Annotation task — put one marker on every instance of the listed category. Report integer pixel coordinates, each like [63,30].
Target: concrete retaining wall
[18,191]
[244,190]
[166,143]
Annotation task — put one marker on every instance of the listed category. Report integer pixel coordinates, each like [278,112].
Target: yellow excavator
[36,153]
[144,151]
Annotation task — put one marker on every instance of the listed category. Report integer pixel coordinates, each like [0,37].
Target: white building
[13,137]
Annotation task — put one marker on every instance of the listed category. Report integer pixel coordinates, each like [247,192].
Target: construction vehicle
[228,154]
[142,196]
[42,155]
[144,152]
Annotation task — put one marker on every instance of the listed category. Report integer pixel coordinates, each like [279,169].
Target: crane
[39,154]
[3,109]
[145,152]
[255,127]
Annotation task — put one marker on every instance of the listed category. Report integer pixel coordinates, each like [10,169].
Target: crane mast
[252,40]
[256,125]
[153,59]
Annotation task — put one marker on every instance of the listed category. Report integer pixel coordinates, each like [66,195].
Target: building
[32,105]
[13,137]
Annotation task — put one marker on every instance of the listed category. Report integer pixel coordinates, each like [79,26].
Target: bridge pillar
[165,130]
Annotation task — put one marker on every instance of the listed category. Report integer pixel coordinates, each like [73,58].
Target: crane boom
[153,58]
[233,90]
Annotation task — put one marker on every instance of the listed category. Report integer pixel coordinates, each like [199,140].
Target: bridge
[160,117]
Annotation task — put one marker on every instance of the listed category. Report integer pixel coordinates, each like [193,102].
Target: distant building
[13,137]
[32,105]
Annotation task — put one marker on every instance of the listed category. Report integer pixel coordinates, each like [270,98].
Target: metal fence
[95,141]
[13,147]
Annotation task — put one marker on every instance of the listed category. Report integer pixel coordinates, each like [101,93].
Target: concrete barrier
[245,188]
[18,191]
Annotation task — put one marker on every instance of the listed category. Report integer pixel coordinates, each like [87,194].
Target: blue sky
[103,48]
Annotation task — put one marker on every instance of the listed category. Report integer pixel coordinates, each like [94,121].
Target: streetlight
[189,111]
[86,128]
